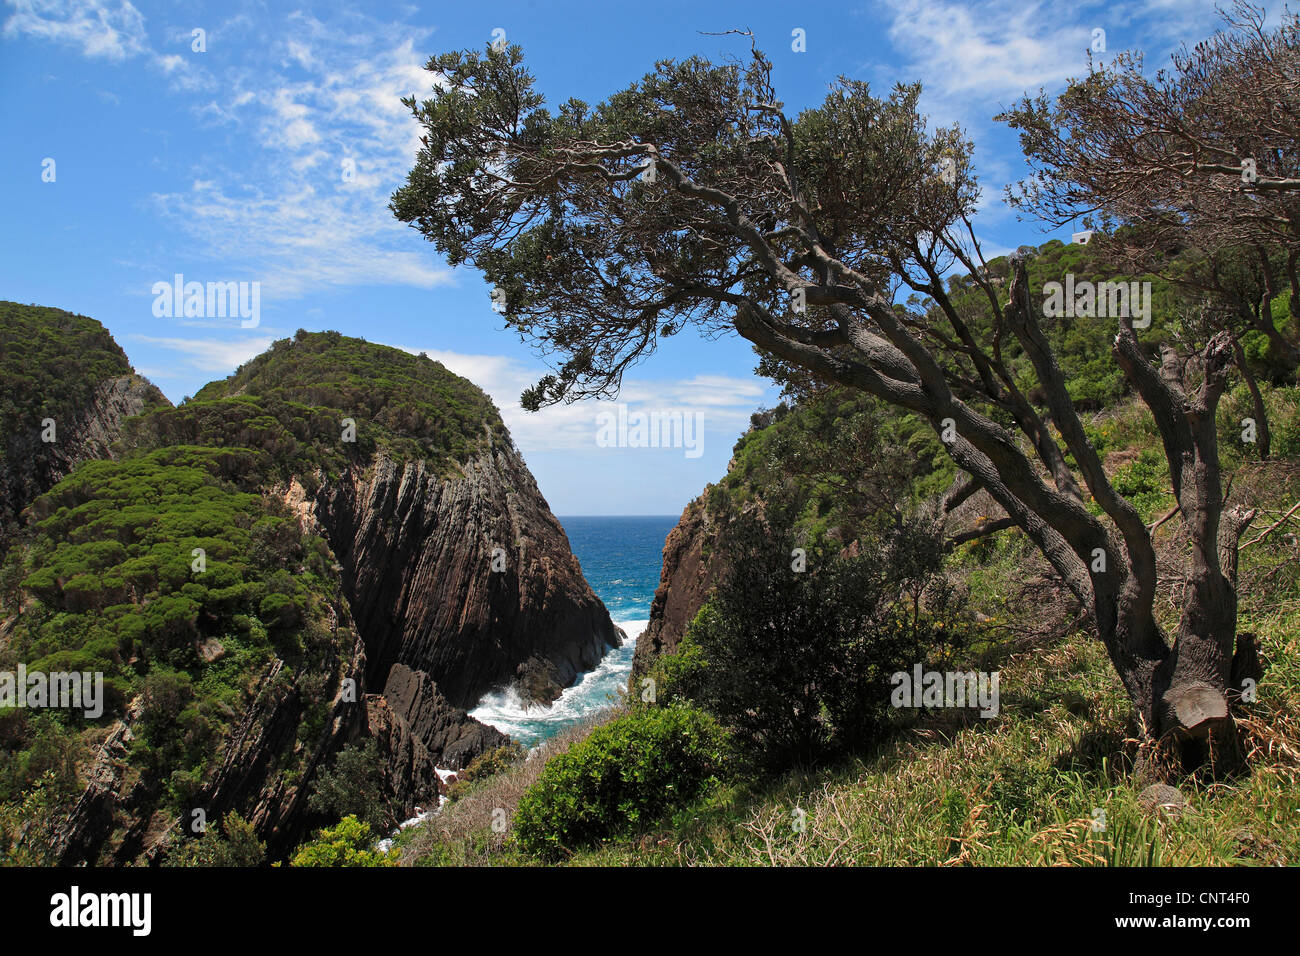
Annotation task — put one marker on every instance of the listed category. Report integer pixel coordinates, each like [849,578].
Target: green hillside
[1046,781]
[172,571]
[51,362]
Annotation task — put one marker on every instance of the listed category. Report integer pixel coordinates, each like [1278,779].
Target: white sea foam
[593,691]
[530,725]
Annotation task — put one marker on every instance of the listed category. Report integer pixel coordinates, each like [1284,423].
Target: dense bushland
[159,574]
[51,362]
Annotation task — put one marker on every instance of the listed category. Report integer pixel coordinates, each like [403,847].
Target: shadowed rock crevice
[430,590]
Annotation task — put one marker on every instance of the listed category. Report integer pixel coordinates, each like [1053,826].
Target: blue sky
[228,165]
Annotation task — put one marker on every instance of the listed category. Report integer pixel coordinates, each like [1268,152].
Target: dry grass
[462,832]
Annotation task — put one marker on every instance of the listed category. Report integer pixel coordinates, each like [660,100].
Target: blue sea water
[621,558]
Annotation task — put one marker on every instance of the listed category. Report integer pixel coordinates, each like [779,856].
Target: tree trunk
[1263,437]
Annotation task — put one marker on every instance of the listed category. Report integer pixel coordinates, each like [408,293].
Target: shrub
[796,663]
[349,843]
[234,844]
[353,786]
[627,774]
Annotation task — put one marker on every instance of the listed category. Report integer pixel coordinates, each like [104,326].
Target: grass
[1023,789]
[1043,784]
[1046,783]
[467,831]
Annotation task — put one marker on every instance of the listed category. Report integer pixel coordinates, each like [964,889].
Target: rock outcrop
[684,582]
[468,579]
[442,575]
[440,727]
[32,466]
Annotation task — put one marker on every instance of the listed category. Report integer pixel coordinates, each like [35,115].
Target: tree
[798,665]
[354,786]
[1206,153]
[234,844]
[691,197]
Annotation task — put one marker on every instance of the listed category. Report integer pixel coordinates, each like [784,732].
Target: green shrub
[353,786]
[349,843]
[626,775]
[795,657]
[235,843]
[681,676]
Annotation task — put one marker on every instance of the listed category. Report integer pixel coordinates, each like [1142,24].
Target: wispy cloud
[98,29]
[213,354]
[975,57]
[313,110]
[101,30]
[726,402]
[310,208]
[973,54]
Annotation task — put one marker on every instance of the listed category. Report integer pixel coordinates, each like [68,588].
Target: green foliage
[353,786]
[348,843]
[117,588]
[235,843]
[29,822]
[796,663]
[286,410]
[1145,482]
[838,465]
[682,676]
[51,363]
[622,778]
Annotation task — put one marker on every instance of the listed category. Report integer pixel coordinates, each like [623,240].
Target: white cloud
[974,53]
[309,209]
[986,50]
[975,57]
[215,354]
[99,29]
[725,402]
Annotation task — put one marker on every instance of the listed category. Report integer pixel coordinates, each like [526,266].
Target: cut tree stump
[1198,707]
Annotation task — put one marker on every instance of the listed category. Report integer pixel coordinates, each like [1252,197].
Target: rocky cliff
[469,578]
[369,587]
[684,583]
[65,389]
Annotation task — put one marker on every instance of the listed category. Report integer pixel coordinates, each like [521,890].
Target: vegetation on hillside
[51,362]
[176,573]
[156,572]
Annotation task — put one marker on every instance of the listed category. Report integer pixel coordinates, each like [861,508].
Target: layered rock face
[32,466]
[440,728]
[436,627]
[692,566]
[684,585]
[467,579]
[114,821]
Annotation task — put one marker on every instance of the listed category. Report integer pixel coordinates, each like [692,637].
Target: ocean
[621,558]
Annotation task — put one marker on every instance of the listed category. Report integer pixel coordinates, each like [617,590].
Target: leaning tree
[1205,154]
[691,198]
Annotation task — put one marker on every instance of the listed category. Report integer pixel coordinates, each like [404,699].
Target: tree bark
[1263,437]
